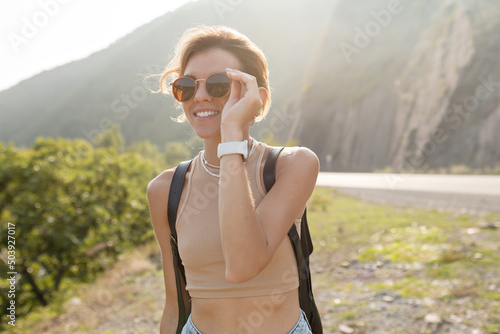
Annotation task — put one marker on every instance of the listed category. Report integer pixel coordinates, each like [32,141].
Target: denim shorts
[301,327]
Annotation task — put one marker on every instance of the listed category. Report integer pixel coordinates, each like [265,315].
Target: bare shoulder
[298,160]
[158,188]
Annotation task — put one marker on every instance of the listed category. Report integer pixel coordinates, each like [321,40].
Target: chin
[207,133]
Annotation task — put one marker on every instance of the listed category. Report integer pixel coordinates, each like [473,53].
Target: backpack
[302,247]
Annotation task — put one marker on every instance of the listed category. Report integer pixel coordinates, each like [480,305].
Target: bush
[75,207]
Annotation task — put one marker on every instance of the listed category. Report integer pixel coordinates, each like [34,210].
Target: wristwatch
[233,147]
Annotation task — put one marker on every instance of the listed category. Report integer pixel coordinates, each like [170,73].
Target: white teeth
[206,113]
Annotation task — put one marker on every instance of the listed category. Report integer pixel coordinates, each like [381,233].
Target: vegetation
[443,260]
[76,206]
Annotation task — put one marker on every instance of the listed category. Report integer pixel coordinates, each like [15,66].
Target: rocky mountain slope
[405,84]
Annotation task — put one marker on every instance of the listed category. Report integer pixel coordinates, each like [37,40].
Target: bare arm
[250,235]
[157,192]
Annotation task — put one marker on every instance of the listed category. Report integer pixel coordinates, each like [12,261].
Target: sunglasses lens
[184,89]
[218,85]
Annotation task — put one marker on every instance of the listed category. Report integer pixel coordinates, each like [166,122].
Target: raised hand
[244,103]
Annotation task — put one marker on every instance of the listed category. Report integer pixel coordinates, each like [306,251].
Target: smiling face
[203,112]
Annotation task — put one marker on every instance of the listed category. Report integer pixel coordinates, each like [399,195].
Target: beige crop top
[200,243]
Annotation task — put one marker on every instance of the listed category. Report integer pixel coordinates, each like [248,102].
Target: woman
[240,268]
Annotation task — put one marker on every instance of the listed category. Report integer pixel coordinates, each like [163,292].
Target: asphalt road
[464,193]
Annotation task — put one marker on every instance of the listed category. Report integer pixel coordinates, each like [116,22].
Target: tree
[75,208]
[111,138]
[146,150]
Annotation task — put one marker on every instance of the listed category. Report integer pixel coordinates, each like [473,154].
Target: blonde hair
[203,38]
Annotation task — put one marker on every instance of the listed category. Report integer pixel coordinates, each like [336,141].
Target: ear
[264,95]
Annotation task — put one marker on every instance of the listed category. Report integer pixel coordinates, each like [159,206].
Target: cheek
[224,100]
[186,106]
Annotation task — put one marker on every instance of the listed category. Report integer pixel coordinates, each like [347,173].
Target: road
[465,193]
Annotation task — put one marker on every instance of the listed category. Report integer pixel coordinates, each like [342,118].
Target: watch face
[233,147]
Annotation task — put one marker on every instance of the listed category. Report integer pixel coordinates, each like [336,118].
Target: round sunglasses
[217,85]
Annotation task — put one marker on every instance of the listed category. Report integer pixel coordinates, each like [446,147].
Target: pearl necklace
[205,163]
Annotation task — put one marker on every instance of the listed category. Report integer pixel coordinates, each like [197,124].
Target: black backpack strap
[270,167]
[302,248]
[174,197]
[269,179]
[306,241]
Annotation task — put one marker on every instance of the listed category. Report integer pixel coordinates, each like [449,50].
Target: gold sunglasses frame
[196,86]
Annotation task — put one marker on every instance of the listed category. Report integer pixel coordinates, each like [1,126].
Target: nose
[201,91]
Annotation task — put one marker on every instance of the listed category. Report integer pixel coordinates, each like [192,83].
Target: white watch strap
[233,147]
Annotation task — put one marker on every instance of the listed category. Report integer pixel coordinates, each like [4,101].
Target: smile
[206,113]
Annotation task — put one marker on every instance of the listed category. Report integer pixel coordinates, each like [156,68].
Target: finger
[249,81]
[250,88]
[235,87]
[248,85]
[243,90]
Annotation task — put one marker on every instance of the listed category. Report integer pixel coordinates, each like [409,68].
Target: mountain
[82,98]
[405,84]
[367,85]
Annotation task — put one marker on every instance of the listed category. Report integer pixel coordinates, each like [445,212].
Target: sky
[37,35]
